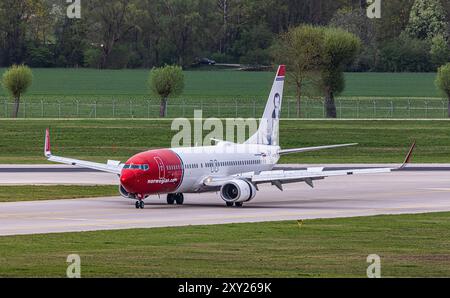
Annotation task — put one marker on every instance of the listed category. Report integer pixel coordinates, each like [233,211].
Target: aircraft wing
[113,167]
[278,178]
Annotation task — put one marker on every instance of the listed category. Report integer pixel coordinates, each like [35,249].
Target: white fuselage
[223,160]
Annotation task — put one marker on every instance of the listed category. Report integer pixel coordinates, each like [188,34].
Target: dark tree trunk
[330,106]
[163,108]
[15,111]
[299,95]
[448,109]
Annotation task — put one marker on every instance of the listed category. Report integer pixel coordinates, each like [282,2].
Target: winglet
[281,71]
[47,149]
[408,156]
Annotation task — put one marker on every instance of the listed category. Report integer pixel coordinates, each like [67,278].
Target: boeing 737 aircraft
[234,170]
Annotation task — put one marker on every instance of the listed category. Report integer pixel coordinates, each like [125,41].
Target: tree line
[411,35]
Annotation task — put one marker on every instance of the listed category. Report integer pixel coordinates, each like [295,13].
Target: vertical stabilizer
[268,131]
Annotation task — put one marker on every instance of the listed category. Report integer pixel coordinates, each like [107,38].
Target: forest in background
[410,36]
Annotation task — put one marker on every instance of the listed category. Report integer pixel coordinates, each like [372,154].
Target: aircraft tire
[170,199]
[179,198]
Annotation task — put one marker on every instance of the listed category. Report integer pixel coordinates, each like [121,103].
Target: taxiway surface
[413,191]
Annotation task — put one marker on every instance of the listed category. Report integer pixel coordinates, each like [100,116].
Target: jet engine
[124,193]
[237,191]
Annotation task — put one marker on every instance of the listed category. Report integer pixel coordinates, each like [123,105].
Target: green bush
[165,82]
[253,46]
[405,54]
[443,79]
[443,82]
[16,80]
[40,57]
[92,57]
[119,57]
[440,52]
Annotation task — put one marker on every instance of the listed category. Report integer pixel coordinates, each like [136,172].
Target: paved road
[399,192]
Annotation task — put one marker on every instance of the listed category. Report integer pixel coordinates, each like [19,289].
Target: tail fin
[268,131]
[47,149]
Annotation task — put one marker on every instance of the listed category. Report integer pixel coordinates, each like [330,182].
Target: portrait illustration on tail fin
[274,121]
[268,131]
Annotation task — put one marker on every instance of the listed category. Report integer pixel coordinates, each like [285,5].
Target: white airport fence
[310,108]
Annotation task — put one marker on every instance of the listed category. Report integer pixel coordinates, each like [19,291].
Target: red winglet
[409,155]
[47,148]
[281,71]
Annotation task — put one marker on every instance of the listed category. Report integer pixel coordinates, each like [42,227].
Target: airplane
[233,170]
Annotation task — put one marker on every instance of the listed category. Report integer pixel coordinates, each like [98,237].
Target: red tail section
[281,71]
[47,148]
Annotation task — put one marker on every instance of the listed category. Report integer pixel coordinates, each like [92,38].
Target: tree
[443,82]
[356,21]
[427,19]
[112,20]
[340,50]
[405,54]
[394,19]
[14,15]
[301,49]
[70,36]
[165,82]
[16,80]
[440,51]
[253,46]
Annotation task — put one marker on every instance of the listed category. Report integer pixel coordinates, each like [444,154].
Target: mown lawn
[54,192]
[91,84]
[409,246]
[98,140]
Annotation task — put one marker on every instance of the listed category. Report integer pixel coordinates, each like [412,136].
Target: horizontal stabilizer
[307,149]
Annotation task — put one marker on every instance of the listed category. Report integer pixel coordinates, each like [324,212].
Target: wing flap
[287,176]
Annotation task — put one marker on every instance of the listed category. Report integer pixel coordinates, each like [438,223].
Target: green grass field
[90,84]
[89,93]
[409,246]
[54,192]
[98,140]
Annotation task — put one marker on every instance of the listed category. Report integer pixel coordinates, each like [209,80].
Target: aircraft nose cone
[127,179]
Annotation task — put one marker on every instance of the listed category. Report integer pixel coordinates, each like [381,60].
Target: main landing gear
[140,204]
[173,198]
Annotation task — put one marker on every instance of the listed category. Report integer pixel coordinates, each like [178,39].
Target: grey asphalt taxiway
[422,188]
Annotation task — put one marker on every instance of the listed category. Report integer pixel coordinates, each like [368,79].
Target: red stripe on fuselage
[164,175]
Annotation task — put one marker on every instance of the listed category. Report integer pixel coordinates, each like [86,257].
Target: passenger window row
[191,166]
[233,163]
[174,167]
[196,166]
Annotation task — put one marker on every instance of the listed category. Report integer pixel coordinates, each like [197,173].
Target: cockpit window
[137,167]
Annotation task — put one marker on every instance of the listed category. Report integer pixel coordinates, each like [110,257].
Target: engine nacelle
[237,191]
[124,193]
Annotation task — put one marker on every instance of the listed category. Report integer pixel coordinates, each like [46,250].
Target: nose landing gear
[140,204]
